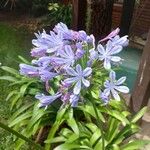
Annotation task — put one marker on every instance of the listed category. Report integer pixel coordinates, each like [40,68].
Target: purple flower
[47,75]
[42,61]
[104,97]
[38,52]
[93,54]
[107,54]
[114,86]
[78,77]
[55,42]
[63,29]
[91,40]
[74,100]
[111,35]
[123,41]
[65,97]
[67,57]
[46,100]
[49,42]
[28,70]
[82,35]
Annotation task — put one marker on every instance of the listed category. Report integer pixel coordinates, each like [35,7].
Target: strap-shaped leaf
[139,115]
[10,70]
[21,110]
[8,78]
[24,116]
[134,145]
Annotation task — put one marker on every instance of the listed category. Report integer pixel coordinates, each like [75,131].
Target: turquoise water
[130,65]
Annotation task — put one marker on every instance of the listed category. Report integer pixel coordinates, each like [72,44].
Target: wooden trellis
[141,91]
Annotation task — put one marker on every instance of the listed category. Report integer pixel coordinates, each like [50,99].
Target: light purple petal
[71,80]
[121,80]
[101,49]
[107,64]
[112,75]
[115,50]
[77,88]
[85,82]
[87,71]
[123,89]
[69,51]
[115,58]
[71,71]
[107,92]
[109,47]
[74,100]
[46,100]
[79,69]
[106,84]
[93,54]
[115,94]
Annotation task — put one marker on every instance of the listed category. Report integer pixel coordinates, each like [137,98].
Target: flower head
[29,70]
[46,100]
[107,54]
[113,86]
[67,57]
[78,77]
[123,41]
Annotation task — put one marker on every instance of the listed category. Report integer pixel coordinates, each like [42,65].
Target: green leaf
[96,135]
[72,123]
[21,110]
[8,78]
[68,146]
[12,93]
[10,70]
[134,145]
[113,129]
[56,140]
[90,110]
[116,114]
[24,116]
[35,117]
[24,88]
[22,137]
[139,115]
[23,60]
[14,100]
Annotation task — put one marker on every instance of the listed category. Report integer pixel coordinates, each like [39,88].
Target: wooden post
[101,18]
[141,92]
[79,14]
[127,13]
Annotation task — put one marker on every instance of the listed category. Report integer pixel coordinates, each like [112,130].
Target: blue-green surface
[130,65]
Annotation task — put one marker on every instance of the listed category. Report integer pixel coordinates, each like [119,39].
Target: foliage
[79,105]
[8,55]
[59,12]
[40,7]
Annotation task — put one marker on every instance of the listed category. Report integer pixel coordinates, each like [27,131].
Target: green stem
[5,127]
[99,124]
[51,134]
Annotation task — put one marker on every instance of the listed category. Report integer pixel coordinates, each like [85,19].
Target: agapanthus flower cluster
[68,56]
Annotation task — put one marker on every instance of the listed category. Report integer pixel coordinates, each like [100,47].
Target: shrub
[78,94]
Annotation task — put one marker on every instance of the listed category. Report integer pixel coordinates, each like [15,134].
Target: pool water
[130,65]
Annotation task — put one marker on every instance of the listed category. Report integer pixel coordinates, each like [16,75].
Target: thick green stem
[5,127]
[51,134]
[99,124]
